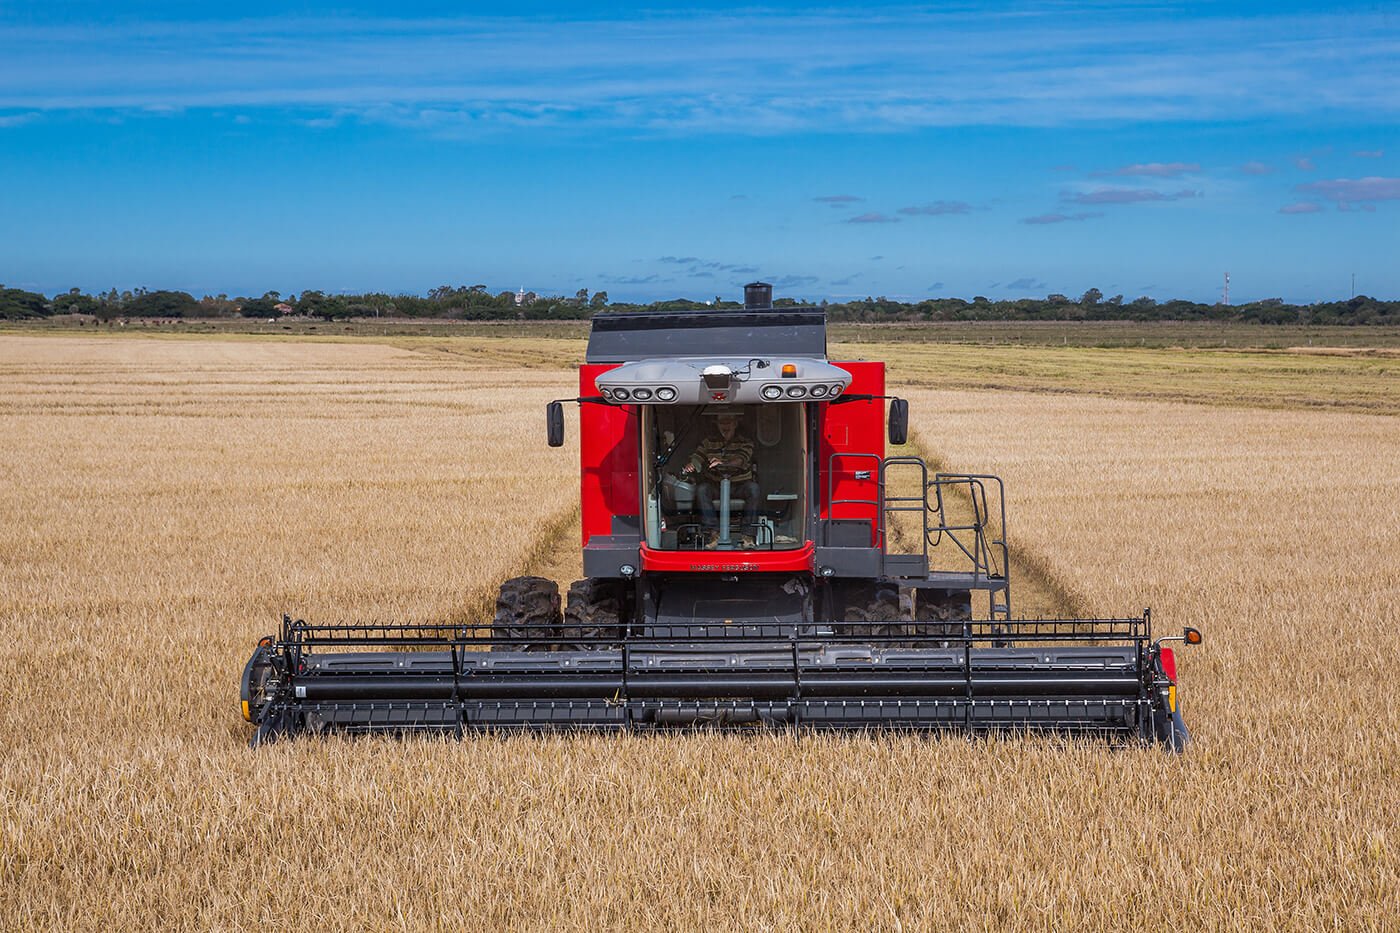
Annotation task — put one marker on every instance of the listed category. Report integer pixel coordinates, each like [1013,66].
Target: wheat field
[163,501]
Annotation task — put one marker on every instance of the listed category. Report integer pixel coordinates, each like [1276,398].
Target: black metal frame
[1098,677]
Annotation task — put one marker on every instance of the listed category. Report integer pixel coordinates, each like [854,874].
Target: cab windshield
[724,477]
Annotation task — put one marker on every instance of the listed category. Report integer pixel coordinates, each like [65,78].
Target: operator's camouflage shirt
[738,448]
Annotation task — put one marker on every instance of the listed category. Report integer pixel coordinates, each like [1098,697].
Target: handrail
[876,504]
[917,503]
[987,551]
[983,551]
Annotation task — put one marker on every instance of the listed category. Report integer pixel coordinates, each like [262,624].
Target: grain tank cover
[627,336]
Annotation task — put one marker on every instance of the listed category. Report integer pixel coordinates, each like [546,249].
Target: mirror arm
[1188,636]
[859,397]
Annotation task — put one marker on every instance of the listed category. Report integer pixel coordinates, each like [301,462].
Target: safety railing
[555,637]
[981,540]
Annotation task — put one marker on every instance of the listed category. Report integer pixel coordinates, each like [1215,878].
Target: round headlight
[665,394]
[796,391]
[818,391]
[836,390]
[641,395]
[772,392]
[621,395]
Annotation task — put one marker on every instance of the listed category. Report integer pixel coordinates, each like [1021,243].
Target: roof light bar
[717,376]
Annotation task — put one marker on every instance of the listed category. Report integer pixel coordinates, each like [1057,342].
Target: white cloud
[936,209]
[1112,195]
[1041,219]
[1026,283]
[880,69]
[1156,169]
[1354,191]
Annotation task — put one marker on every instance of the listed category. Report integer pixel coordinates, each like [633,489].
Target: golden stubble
[164,501]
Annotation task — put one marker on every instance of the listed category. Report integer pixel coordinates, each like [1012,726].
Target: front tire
[873,609]
[593,611]
[527,614]
[942,613]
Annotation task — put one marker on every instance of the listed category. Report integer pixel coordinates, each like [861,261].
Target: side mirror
[554,423]
[899,421]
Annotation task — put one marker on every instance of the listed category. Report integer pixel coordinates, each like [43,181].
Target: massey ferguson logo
[719,396]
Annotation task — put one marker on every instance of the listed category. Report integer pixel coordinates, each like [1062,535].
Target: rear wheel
[527,614]
[873,609]
[941,613]
[593,610]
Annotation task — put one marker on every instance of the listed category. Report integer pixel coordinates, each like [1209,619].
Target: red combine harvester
[739,519]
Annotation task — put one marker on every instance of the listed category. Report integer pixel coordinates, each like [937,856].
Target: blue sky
[909,151]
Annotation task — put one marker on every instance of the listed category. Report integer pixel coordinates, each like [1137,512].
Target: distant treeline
[476,303]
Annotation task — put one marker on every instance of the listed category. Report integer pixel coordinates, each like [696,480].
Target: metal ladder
[987,553]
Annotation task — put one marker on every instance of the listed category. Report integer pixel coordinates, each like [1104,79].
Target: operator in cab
[726,453]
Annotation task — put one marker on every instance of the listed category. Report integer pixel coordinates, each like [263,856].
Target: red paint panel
[855,431]
[608,457]
[1169,664]
[728,561]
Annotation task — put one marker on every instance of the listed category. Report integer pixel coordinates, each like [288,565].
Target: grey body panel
[606,555]
[682,377]
[741,606]
[850,562]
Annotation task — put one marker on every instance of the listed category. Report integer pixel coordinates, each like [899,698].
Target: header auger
[739,524]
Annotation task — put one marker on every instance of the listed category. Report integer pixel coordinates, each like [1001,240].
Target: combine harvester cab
[751,557]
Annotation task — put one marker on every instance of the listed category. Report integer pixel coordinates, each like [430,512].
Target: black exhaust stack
[758,296]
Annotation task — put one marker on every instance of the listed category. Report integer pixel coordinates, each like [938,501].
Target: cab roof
[628,336]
